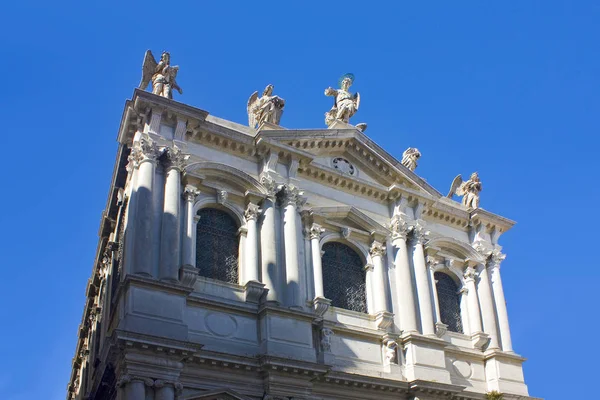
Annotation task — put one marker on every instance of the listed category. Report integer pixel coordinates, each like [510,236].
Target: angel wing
[357,100]
[148,68]
[251,102]
[456,187]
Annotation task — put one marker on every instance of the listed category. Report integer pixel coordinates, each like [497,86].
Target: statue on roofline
[267,108]
[410,157]
[345,104]
[469,190]
[161,73]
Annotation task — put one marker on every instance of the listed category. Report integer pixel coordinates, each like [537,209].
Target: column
[431,266]
[315,246]
[422,280]
[164,390]
[292,200]
[486,300]
[251,250]
[377,252]
[189,258]
[170,242]
[499,300]
[268,250]
[406,297]
[131,388]
[472,301]
[145,154]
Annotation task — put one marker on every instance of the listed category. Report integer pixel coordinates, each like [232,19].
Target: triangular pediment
[220,394]
[348,153]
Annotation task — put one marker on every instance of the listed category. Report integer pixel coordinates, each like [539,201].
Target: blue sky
[509,89]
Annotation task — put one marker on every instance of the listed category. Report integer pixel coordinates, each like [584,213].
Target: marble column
[315,245]
[499,300]
[268,250]
[422,280]
[170,242]
[164,390]
[377,252]
[145,153]
[131,388]
[472,301]
[189,258]
[251,251]
[406,297]
[484,291]
[292,200]
[432,263]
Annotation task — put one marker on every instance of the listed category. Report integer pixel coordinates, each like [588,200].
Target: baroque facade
[237,262]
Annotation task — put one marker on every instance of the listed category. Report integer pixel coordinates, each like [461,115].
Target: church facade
[255,262]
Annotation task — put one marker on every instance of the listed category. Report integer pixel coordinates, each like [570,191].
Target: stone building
[243,263]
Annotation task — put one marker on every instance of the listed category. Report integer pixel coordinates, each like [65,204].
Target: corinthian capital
[315,231]
[143,150]
[419,233]
[252,212]
[269,183]
[190,193]
[496,257]
[399,227]
[293,196]
[377,249]
[470,274]
[175,158]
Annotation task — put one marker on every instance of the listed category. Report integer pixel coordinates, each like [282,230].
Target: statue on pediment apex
[267,108]
[469,190]
[161,73]
[345,104]
[410,157]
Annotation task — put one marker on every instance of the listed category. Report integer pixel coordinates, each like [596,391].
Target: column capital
[252,212]
[174,158]
[377,249]
[433,262]
[470,274]
[292,195]
[315,231]
[419,233]
[190,193]
[399,227]
[495,258]
[123,380]
[143,150]
[269,184]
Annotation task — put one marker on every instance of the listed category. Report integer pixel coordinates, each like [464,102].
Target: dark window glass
[217,245]
[344,277]
[449,300]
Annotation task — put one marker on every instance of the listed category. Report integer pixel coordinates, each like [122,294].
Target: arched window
[217,245]
[344,277]
[449,301]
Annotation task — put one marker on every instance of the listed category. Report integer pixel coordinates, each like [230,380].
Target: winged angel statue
[161,73]
[469,190]
[267,108]
[345,104]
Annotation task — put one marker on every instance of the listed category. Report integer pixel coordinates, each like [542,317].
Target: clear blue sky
[507,88]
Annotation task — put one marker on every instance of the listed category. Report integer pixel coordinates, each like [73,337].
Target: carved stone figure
[345,104]
[469,190]
[326,335]
[391,353]
[161,73]
[410,157]
[267,108]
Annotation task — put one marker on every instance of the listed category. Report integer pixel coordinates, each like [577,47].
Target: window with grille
[217,245]
[344,277]
[449,301]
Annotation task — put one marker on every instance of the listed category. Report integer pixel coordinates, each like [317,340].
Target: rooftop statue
[469,190]
[267,108]
[161,73]
[410,157]
[345,104]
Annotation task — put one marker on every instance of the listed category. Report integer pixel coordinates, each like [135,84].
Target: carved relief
[252,212]
[326,336]
[344,166]
[377,249]
[410,157]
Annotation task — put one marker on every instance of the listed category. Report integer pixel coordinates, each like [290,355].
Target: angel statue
[469,190]
[267,108]
[410,157]
[345,104]
[162,75]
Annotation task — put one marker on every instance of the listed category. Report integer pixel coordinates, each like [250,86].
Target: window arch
[217,245]
[449,301]
[344,277]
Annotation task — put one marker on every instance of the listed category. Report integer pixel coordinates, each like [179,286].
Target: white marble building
[241,263]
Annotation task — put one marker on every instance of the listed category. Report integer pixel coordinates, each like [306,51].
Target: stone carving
[161,73]
[440,329]
[315,231]
[343,165]
[399,227]
[410,157]
[326,336]
[377,249]
[270,184]
[469,190]
[496,257]
[222,196]
[391,352]
[267,108]
[144,149]
[470,274]
[175,158]
[345,104]
[292,195]
[190,193]
[419,233]
[252,212]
